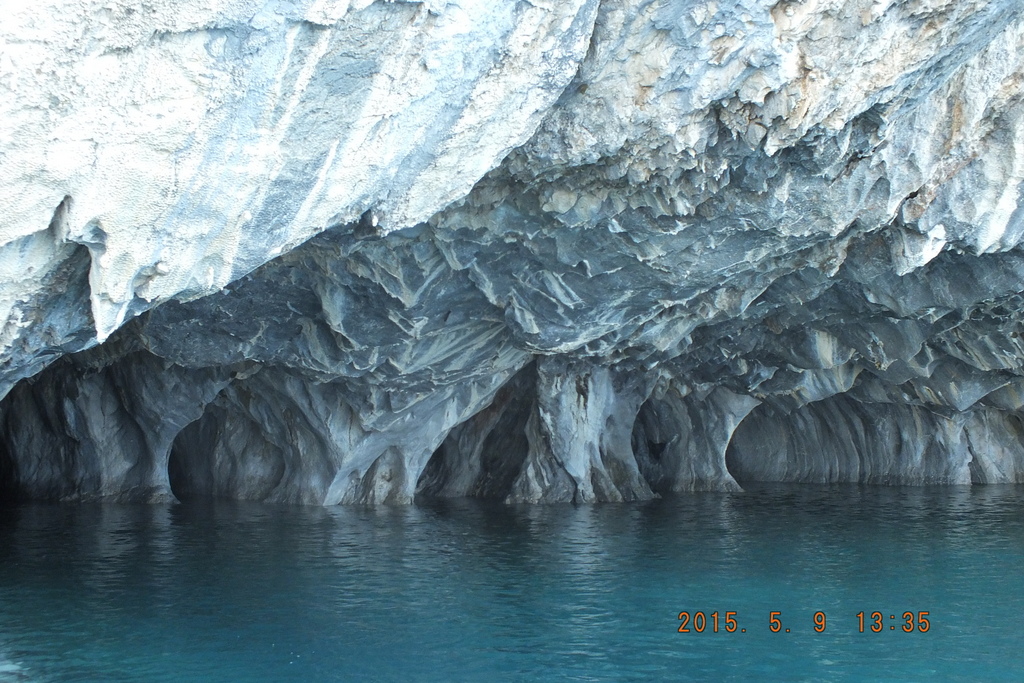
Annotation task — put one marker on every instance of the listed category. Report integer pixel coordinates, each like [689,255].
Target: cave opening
[8,476]
[738,451]
[483,456]
[841,439]
[227,455]
[190,454]
[651,458]
[762,447]
[681,446]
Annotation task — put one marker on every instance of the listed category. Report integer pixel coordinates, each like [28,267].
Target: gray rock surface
[355,252]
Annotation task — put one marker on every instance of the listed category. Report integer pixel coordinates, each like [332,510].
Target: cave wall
[356,252]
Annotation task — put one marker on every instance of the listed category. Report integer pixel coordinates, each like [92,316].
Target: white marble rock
[355,252]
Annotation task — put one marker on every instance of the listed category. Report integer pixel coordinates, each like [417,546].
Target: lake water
[467,591]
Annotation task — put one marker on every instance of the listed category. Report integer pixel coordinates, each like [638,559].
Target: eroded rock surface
[356,252]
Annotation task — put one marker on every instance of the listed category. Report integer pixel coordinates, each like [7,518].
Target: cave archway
[186,457]
[483,456]
[680,441]
[8,476]
[762,450]
[224,454]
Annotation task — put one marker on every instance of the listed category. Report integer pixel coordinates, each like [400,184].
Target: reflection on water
[10,672]
[470,591]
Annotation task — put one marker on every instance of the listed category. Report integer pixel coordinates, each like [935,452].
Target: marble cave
[335,252]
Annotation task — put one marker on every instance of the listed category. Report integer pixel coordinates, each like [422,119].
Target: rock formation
[358,252]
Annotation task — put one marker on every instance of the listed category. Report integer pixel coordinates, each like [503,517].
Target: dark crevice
[648,453]
[504,452]
[177,475]
[188,467]
[224,454]
[482,457]
[8,475]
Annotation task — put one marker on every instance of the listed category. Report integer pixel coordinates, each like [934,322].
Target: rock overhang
[701,241]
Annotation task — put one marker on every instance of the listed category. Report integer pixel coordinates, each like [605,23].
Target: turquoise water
[478,592]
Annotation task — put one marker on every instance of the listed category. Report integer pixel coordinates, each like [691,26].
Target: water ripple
[464,590]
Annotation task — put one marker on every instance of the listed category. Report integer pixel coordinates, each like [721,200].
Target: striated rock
[184,144]
[841,440]
[356,252]
[278,438]
[579,436]
[102,431]
[680,438]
